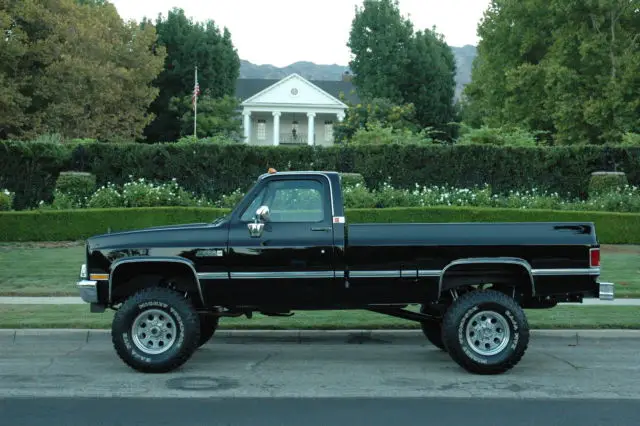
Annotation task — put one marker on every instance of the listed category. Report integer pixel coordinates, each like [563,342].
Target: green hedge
[61,225]
[30,169]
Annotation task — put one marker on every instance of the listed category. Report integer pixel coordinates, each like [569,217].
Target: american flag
[196,91]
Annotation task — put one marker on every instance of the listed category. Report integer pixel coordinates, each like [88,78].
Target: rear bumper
[88,290]
[606,291]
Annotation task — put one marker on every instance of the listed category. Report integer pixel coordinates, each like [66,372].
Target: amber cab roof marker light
[272,170]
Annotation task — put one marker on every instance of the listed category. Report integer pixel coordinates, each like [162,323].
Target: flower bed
[625,199]
[144,193]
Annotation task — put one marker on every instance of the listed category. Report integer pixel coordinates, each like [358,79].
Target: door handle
[321,228]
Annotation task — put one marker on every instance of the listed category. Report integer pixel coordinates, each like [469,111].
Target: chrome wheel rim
[154,331]
[488,333]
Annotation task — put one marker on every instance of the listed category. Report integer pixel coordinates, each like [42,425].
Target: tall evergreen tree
[391,61]
[190,44]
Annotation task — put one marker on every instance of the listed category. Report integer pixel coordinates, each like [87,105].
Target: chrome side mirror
[263,213]
[257,227]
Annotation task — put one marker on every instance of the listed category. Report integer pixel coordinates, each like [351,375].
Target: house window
[262,130]
[328,131]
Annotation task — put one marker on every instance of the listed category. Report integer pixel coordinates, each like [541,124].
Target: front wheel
[208,326]
[432,330]
[156,330]
[485,332]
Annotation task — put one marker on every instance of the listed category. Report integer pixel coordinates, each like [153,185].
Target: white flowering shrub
[107,196]
[6,199]
[229,201]
[142,193]
[421,196]
[626,199]
[358,197]
[66,201]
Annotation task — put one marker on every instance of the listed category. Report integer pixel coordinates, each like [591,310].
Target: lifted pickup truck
[287,246]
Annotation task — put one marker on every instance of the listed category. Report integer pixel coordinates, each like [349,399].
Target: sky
[281,32]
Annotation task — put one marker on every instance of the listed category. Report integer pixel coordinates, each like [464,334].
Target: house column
[311,128]
[246,115]
[276,128]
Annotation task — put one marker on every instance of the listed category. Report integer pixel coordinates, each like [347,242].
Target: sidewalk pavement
[75,300]
[301,335]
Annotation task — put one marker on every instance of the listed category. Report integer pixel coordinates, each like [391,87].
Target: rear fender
[128,267]
[476,267]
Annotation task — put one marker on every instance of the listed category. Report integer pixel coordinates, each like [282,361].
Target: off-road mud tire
[208,327]
[432,329]
[178,310]
[499,305]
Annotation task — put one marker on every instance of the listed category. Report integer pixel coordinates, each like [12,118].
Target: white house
[292,111]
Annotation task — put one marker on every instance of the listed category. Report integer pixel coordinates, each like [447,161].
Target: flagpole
[195,106]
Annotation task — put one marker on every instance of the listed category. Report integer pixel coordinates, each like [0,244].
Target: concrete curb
[311,334]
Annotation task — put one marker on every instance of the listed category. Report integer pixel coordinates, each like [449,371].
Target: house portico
[292,111]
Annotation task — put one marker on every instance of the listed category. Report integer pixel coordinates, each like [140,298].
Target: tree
[393,62]
[380,42]
[13,81]
[567,67]
[377,112]
[216,116]
[76,70]
[188,45]
[430,83]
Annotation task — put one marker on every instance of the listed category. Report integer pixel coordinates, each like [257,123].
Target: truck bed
[557,253]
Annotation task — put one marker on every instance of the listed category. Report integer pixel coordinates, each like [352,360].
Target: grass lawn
[40,269]
[51,269]
[560,317]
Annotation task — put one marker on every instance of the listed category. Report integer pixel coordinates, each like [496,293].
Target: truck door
[286,257]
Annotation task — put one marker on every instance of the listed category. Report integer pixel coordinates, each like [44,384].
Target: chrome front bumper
[88,290]
[606,291]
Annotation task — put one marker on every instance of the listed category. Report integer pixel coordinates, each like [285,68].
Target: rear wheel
[485,332]
[208,327]
[156,330]
[432,329]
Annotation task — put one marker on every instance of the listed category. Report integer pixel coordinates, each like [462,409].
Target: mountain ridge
[333,72]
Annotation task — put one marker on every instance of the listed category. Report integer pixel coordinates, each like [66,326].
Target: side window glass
[297,201]
[250,212]
[290,201]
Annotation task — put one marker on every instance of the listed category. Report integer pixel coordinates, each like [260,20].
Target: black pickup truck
[287,246]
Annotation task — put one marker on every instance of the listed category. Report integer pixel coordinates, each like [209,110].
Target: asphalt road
[344,380]
[316,412]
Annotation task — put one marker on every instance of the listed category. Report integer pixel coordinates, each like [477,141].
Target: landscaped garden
[52,209]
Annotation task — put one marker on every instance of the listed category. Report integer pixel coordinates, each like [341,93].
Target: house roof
[247,87]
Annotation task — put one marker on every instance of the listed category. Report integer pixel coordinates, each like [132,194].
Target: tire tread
[190,319]
[458,309]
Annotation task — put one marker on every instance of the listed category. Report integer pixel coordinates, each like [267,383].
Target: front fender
[142,260]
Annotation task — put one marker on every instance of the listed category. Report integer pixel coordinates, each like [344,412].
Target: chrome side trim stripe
[213,275]
[404,273]
[374,274]
[284,275]
[566,271]
[429,273]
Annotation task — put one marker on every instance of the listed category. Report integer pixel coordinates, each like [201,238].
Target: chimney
[346,76]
